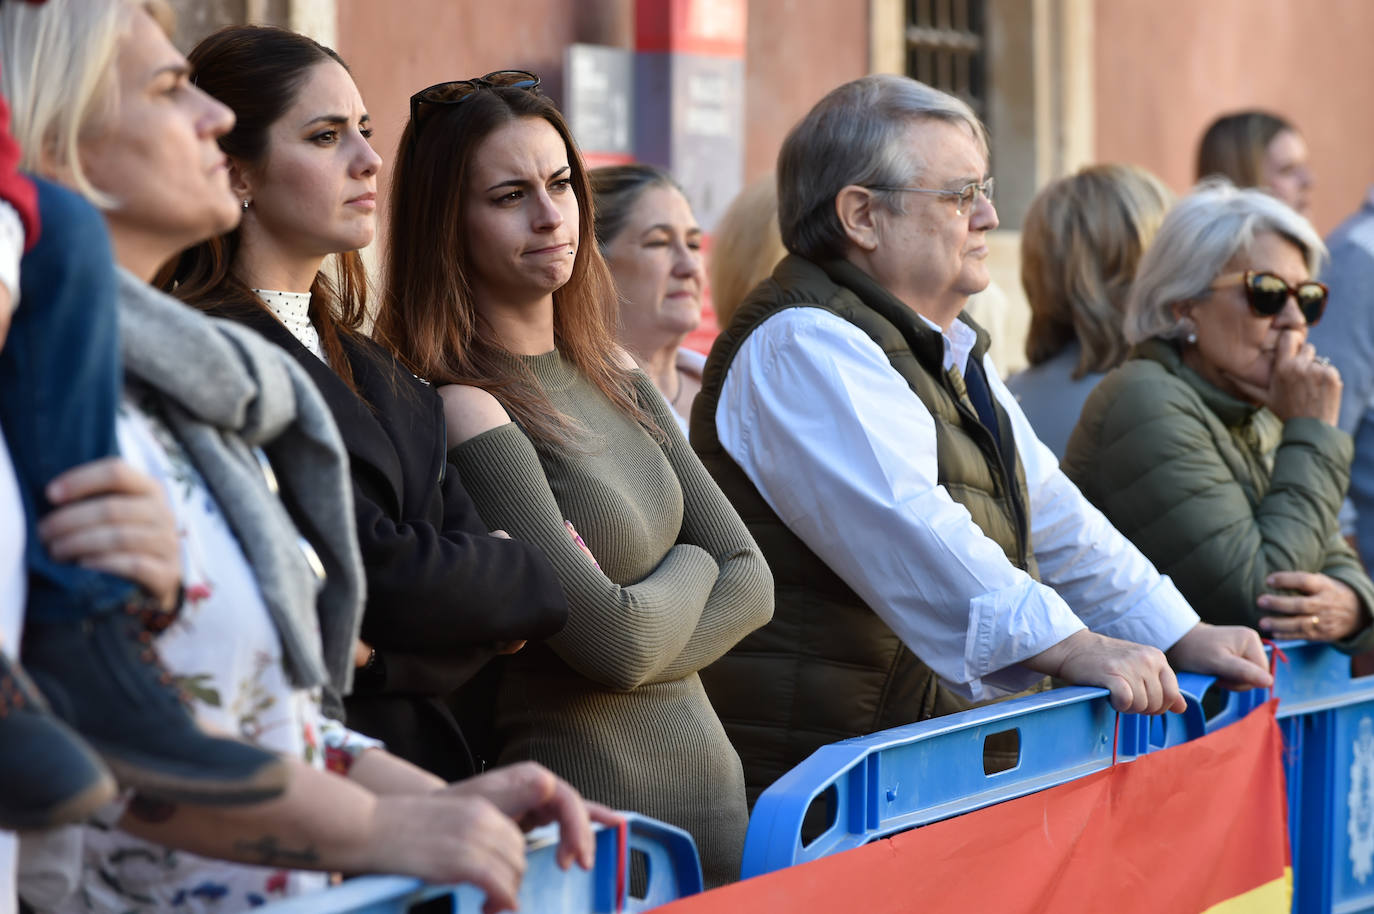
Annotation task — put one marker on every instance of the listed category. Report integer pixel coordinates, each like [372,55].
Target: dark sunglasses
[456,91]
[1268,293]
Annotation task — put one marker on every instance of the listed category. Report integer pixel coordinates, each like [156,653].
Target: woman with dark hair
[496,291]
[652,245]
[443,594]
[1258,149]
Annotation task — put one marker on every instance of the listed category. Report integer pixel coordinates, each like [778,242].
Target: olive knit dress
[613,702]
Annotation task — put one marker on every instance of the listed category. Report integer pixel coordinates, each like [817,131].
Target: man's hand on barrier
[533,796]
[1229,652]
[1137,675]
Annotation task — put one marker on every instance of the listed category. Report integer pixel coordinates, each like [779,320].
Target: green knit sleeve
[1165,471]
[621,637]
[742,598]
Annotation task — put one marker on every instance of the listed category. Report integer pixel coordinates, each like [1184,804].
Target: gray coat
[265,442]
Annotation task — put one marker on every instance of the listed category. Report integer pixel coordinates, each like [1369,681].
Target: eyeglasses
[1268,293]
[966,195]
[456,91]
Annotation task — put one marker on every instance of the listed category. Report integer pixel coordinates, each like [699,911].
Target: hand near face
[1303,385]
[1323,609]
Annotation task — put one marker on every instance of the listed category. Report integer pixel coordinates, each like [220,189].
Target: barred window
[944,48]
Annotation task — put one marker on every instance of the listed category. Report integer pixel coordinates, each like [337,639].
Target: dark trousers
[60,382]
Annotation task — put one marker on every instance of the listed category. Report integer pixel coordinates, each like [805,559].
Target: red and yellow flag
[1200,828]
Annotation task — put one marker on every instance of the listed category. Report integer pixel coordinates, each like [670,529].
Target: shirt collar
[959,341]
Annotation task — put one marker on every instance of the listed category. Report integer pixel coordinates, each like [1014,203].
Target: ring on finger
[1314,621]
[1325,363]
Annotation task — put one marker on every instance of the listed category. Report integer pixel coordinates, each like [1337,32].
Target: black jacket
[441,591]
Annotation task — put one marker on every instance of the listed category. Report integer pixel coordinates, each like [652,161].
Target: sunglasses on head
[1267,293]
[456,91]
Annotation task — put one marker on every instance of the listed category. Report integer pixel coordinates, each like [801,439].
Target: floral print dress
[227,656]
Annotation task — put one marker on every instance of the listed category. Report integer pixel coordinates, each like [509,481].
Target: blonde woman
[746,248]
[1080,244]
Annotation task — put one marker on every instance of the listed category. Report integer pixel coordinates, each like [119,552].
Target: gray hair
[856,135]
[1201,234]
[59,60]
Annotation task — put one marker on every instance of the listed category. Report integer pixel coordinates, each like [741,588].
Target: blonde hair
[58,60]
[746,246]
[1081,242]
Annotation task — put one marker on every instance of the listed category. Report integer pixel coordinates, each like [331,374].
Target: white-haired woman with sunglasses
[1215,447]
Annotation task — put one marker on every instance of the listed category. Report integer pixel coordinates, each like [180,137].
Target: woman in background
[1081,241]
[746,246]
[652,245]
[1258,149]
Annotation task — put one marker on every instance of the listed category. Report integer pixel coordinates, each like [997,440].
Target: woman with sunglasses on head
[496,291]
[1214,447]
[443,594]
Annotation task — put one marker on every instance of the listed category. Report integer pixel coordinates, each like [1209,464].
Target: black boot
[103,676]
[48,775]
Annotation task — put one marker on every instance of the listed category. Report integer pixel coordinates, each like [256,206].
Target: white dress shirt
[845,453]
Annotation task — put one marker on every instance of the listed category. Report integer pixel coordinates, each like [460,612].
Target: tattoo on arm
[150,809]
[267,851]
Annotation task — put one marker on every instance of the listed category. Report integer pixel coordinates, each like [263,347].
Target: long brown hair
[429,319]
[257,71]
[1234,146]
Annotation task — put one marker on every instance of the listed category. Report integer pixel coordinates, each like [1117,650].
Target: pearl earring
[1192,338]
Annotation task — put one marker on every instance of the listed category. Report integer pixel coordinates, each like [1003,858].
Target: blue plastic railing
[669,855]
[1327,719]
[877,785]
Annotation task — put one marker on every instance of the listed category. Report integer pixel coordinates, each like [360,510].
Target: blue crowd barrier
[669,856]
[877,785]
[1327,719]
[887,782]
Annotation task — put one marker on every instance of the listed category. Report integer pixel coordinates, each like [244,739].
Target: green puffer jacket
[1216,492]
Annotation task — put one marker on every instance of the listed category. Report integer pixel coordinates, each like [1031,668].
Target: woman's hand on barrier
[450,838]
[532,796]
[1231,653]
[1323,609]
[113,518]
[1137,675]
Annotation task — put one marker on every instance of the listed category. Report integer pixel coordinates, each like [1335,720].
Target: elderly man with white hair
[927,551]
